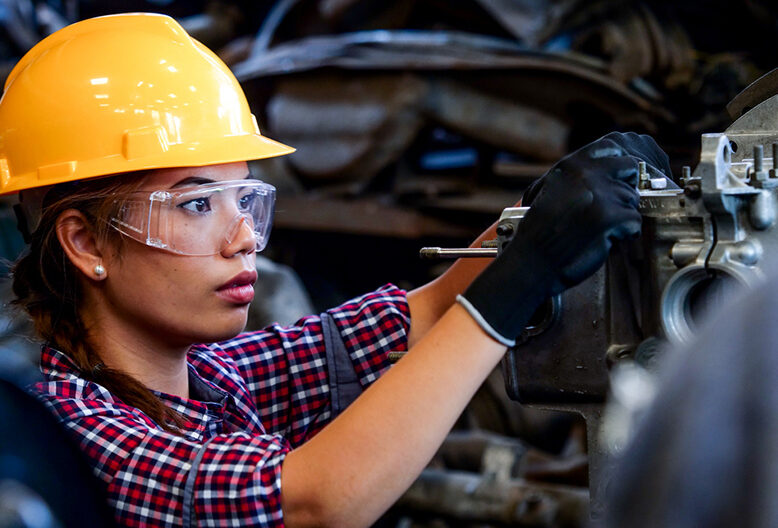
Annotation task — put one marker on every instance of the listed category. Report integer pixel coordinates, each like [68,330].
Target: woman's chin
[221,332]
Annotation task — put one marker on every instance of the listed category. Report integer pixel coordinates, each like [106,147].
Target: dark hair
[47,287]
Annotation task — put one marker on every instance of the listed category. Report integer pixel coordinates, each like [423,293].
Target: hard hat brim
[245,147]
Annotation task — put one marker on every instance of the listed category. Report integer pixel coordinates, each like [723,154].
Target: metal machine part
[697,244]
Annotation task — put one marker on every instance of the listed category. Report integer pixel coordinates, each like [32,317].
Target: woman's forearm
[429,302]
[358,465]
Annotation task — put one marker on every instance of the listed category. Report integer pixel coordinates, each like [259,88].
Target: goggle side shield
[199,220]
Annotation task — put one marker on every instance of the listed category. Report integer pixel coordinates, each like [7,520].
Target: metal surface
[486,499]
[437,252]
[435,50]
[697,246]
[760,90]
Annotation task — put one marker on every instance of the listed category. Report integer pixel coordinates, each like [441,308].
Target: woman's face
[183,299]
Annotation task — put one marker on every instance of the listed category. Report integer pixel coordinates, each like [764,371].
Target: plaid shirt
[253,399]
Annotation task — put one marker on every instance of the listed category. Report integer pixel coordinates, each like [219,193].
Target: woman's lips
[239,289]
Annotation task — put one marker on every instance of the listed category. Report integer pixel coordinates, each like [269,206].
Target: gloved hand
[588,199]
[639,146]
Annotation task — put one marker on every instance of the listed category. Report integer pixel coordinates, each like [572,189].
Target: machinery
[699,243]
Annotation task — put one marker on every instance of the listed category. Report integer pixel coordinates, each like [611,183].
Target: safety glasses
[199,220]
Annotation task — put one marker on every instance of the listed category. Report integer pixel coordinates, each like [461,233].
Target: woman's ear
[78,240]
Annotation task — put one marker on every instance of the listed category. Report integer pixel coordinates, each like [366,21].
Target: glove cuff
[485,326]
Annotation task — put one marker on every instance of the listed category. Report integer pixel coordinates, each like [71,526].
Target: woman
[126,274]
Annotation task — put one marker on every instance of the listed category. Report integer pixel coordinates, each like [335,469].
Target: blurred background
[416,122]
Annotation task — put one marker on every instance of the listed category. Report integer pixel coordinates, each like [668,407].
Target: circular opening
[541,315]
[706,294]
[543,318]
[690,295]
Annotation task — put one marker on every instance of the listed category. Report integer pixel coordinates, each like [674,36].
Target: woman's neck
[158,370]
[156,364]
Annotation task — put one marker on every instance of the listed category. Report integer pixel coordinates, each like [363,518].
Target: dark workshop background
[415,123]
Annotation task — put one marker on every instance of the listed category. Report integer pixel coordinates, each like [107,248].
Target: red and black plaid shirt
[253,399]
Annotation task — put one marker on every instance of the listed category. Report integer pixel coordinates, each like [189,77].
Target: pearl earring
[99,270]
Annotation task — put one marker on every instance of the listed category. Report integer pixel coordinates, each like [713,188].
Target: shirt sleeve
[286,369]
[155,478]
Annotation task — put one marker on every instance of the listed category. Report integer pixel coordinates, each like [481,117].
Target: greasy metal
[638,42]
[447,51]
[697,245]
[346,128]
[761,89]
[437,252]
[490,248]
[695,248]
[479,498]
[643,177]
[394,357]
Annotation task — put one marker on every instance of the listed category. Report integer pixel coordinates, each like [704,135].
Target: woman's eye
[198,205]
[245,202]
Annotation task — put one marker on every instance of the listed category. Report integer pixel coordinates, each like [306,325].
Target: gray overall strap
[343,379]
[188,517]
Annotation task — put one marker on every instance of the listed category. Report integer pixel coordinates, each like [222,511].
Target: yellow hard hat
[121,93]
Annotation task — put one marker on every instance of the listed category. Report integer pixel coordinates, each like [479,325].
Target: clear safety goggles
[198,220]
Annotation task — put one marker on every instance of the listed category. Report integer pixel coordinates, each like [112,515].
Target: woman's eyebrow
[192,180]
[198,180]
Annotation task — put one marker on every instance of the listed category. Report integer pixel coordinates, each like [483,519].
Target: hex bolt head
[505,230]
[693,190]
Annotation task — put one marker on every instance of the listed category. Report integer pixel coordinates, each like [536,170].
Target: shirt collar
[55,364]
[203,395]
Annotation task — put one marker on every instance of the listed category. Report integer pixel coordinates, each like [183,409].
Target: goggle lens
[201,220]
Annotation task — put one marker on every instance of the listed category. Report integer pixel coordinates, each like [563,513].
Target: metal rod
[436,252]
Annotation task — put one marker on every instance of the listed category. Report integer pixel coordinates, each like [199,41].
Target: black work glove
[639,146]
[588,199]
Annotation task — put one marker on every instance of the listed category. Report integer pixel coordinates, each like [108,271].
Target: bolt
[773,173]
[686,173]
[643,177]
[746,252]
[693,190]
[759,173]
[505,230]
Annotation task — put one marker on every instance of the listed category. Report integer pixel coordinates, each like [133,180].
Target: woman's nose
[241,237]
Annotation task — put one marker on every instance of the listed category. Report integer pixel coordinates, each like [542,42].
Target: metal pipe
[437,252]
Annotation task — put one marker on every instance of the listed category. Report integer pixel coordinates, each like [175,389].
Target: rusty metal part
[483,452]
[498,121]
[426,50]
[760,90]
[351,127]
[476,498]
[346,128]
[353,123]
[549,82]
[636,44]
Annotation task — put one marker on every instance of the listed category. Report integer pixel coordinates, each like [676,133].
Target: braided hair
[46,286]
